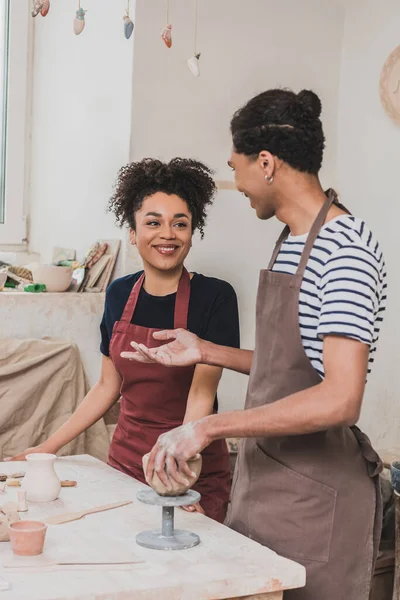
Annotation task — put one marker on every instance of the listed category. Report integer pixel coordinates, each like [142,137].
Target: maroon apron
[153,401]
[313,498]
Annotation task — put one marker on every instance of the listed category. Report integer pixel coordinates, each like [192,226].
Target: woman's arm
[200,402]
[94,406]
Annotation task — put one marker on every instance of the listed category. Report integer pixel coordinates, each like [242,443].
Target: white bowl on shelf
[56,279]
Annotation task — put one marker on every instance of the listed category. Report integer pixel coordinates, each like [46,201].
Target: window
[15,80]
[4,19]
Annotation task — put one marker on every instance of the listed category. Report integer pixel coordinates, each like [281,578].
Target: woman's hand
[34,450]
[194,508]
[184,350]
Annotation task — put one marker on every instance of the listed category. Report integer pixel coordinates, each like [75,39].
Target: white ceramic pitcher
[41,481]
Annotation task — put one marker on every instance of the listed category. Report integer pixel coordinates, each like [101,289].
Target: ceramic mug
[27,537]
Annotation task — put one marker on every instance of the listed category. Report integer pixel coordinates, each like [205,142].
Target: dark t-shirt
[213,310]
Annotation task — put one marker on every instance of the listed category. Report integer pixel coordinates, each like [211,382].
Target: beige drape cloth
[41,384]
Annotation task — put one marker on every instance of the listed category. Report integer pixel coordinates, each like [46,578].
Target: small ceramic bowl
[27,537]
[56,279]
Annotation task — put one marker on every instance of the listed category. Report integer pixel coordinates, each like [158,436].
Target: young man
[306,480]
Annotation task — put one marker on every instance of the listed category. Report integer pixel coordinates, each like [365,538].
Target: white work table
[224,565]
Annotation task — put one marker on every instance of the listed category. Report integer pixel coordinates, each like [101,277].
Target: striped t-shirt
[343,291]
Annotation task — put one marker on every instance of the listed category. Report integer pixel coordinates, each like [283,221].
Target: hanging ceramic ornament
[128,27]
[193,62]
[166,33]
[45,8]
[128,24]
[37,6]
[79,21]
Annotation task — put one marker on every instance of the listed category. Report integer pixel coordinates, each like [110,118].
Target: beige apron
[312,498]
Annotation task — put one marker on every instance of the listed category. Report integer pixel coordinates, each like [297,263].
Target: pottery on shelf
[56,279]
[27,537]
[41,482]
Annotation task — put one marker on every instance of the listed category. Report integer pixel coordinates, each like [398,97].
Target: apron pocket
[289,512]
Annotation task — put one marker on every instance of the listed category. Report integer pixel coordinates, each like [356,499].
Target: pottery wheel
[167,538]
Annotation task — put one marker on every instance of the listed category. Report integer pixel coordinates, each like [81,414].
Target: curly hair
[189,179]
[286,124]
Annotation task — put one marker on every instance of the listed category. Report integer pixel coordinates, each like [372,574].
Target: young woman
[163,204]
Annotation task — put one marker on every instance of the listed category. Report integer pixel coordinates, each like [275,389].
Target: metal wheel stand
[167,538]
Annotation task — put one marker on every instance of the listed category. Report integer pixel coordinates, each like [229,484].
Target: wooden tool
[75,516]
[13,483]
[68,483]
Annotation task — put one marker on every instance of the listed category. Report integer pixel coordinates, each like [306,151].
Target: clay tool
[75,516]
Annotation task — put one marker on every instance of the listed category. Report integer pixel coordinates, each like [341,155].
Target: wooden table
[224,565]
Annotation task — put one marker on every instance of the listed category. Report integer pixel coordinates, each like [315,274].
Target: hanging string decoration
[128,23]
[79,21]
[166,33]
[193,62]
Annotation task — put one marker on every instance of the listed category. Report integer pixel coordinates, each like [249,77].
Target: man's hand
[184,350]
[173,449]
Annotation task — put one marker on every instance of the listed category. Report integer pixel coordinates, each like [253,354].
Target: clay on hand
[178,489]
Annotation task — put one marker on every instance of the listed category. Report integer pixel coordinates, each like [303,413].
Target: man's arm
[185,348]
[334,402]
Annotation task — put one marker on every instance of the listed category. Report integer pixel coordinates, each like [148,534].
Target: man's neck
[300,202]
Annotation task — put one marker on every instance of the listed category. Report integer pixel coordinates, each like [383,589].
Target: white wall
[81,113]
[368,166]
[246,47]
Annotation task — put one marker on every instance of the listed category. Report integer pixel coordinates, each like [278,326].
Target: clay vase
[195,465]
[27,537]
[41,482]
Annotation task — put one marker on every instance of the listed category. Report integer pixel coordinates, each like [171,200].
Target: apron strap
[312,236]
[130,306]
[278,245]
[314,231]
[181,301]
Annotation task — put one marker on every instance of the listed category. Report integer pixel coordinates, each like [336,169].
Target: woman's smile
[166,249]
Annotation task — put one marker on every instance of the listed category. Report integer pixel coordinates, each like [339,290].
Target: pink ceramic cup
[27,537]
